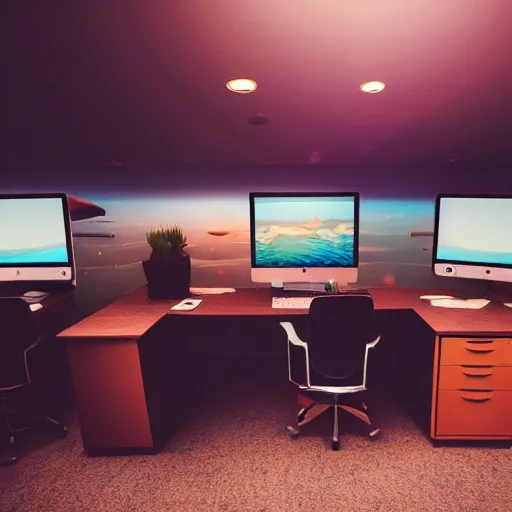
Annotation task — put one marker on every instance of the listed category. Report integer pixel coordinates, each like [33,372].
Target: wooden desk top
[134,314]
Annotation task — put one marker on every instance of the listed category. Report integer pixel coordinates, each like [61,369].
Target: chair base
[60,429]
[310,409]
[8,460]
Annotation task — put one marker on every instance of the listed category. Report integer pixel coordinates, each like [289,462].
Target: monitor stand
[304,287]
[499,292]
[282,286]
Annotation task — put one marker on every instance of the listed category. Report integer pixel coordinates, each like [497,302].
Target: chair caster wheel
[374,433]
[294,433]
[6,460]
[60,429]
[63,432]
[335,444]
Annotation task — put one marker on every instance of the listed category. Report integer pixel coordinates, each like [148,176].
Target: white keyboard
[291,302]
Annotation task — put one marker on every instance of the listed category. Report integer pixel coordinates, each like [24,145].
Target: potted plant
[168,268]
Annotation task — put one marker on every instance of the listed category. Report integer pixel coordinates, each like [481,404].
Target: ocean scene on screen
[476,230]
[34,255]
[304,232]
[474,256]
[32,231]
[303,246]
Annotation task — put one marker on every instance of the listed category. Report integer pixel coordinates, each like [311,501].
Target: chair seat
[334,390]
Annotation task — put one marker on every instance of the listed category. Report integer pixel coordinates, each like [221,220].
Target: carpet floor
[231,453]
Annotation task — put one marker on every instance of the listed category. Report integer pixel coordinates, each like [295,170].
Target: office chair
[18,336]
[330,368]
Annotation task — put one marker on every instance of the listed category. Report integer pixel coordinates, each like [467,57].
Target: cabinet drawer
[474,413]
[475,377]
[476,351]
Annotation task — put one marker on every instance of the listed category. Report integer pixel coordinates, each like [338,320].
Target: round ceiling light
[372,87]
[241,85]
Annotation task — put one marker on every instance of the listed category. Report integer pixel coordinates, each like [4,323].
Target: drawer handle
[476,348]
[476,397]
[477,375]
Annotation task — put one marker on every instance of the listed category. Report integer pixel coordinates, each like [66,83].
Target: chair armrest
[369,345]
[372,344]
[292,335]
[295,341]
[25,355]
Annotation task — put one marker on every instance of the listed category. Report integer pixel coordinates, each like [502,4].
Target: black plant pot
[168,278]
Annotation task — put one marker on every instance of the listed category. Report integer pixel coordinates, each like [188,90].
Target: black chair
[18,408]
[330,366]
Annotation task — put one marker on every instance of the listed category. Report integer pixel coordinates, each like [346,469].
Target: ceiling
[142,82]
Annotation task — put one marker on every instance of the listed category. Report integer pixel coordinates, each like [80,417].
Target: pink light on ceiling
[372,87]
[241,85]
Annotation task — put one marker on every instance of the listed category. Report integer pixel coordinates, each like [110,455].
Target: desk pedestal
[110,395]
[472,393]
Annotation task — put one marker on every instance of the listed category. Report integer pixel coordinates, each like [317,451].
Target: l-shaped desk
[456,364]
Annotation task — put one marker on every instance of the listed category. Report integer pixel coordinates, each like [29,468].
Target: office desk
[455,365]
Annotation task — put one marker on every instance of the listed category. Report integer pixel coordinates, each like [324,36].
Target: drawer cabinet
[473,392]
[477,413]
[476,351]
[475,377]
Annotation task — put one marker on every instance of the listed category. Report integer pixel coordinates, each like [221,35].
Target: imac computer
[304,238]
[35,239]
[473,237]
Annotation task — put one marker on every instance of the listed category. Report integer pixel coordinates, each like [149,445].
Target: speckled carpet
[232,453]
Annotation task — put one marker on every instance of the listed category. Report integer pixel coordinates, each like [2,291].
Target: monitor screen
[304,236]
[36,240]
[473,237]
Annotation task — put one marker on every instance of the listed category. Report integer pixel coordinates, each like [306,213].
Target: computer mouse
[188,303]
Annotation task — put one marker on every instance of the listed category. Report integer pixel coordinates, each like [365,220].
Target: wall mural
[215,220]
[217,231]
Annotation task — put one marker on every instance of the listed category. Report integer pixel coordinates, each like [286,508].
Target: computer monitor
[35,239]
[304,237]
[473,237]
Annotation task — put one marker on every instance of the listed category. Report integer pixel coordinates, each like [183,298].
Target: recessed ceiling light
[372,87]
[241,85]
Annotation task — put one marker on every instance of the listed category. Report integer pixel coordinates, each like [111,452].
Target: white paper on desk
[187,305]
[35,307]
[460,303]
[211,291]
[508,304]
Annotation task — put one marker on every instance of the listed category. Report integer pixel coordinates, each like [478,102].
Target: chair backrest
[17,333]
[340,328]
